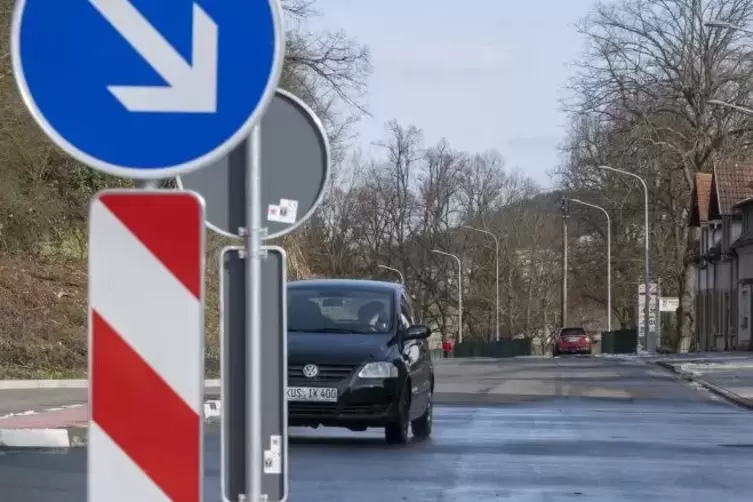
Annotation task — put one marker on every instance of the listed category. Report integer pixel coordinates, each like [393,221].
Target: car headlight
[378,370]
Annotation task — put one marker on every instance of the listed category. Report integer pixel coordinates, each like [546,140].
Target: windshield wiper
[346,331]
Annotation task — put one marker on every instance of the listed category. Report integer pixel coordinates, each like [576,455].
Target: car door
[416,355]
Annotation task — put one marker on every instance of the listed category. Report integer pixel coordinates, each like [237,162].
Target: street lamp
[565,210]
[609,258]
[725,104]
[496,276]
[727,26]
[460,292]
[650,342]
[393,270]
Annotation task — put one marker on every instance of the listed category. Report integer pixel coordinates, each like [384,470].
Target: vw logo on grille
[310,371]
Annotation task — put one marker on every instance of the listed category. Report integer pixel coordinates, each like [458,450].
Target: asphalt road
[467,380]
[565,429]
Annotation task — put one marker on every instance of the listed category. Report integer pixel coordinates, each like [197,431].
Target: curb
[67,384]
[725,394]
[68,437]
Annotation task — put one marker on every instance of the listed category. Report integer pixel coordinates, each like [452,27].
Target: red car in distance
[572,341]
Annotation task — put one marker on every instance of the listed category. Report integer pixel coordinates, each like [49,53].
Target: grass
[43,316]
[43,310]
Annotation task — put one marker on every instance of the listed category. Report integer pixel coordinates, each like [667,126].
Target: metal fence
[502,348]
[612,342]
[622,341]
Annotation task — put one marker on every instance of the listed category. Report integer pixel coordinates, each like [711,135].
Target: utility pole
[649,338]
[565,209]
[609,258]
[496,270]
[460,290]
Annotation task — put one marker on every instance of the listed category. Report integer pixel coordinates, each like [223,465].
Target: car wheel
[421,426]
[397,432]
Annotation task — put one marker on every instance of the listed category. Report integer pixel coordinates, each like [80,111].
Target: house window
[733,311]
[736,228]
[717,317]
[716,235]
[748,219]
[727,312]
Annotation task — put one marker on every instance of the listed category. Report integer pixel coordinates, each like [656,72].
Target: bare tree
[650,68]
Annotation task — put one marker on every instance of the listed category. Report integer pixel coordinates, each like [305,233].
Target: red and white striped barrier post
[146,346]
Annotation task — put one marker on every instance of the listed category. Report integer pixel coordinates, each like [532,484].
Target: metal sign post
[273,355]
[253,313]
[257,175]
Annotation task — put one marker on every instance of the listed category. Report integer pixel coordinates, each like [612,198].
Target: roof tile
[733,182]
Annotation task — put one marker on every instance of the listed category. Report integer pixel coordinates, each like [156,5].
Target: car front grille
[364,409]
[324,410]
[312,409]
[328,374]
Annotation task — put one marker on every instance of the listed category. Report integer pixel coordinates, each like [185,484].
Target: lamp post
[728,26]
[402,281]
[609,258]
[725,104]
[496,267]
[460,291]
[650,341]
[565,210]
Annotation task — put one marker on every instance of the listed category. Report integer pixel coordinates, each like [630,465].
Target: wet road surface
[582,429]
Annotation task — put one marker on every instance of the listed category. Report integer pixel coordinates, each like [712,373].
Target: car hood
[335,348]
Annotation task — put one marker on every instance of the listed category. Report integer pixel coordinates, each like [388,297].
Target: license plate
[312,394]
[572,339]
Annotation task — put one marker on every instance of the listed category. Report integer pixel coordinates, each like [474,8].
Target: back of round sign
[295,170]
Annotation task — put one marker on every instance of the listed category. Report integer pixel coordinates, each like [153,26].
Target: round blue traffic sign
[147,89]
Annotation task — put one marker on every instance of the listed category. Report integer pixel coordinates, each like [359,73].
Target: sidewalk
[62,427]
[731,379]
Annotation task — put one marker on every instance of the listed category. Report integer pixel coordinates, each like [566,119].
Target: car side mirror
[417,332]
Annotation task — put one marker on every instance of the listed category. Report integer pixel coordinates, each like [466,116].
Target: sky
[484,74]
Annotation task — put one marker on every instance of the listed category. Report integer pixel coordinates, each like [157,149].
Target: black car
[356,360]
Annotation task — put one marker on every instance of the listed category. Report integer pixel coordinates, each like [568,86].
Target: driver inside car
[373,315]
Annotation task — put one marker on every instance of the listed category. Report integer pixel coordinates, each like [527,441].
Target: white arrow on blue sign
[147,89]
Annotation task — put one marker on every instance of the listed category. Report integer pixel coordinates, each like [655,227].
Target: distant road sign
[144,89]
[274,359]
[653,313]
[669,304]
[295,164]
[146,297]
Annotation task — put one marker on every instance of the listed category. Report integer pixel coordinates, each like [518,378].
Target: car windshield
[339,310]
[572,332]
